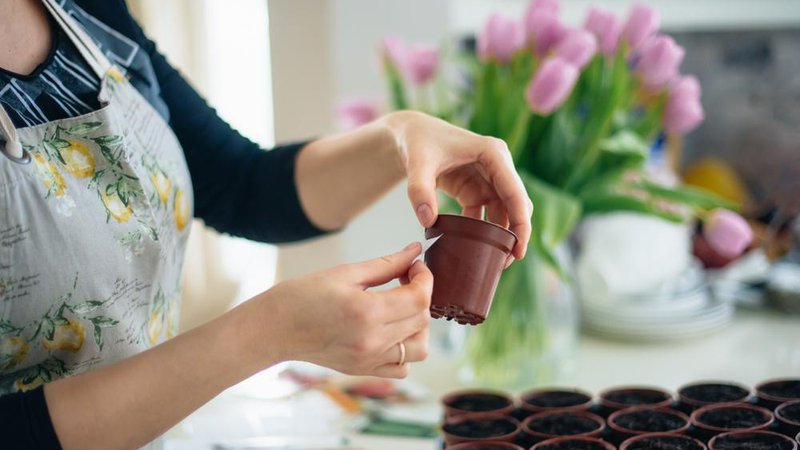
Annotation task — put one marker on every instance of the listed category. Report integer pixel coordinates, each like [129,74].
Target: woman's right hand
[330,318]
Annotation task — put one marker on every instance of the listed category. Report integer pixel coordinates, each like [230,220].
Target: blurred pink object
[396,50]
[684,112]
[727,233]
[643,22]
[354,113]
[421,63]
[551,85]
[543,29]
[577,47]
[657,61]
[606,27]
[500,39]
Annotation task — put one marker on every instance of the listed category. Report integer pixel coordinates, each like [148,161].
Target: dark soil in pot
[650,420]
[662,441]
[550,424]
[476,427]
[573,443]
[696,395]
[477,401]
[773,393]
[788,416]
[489,445]
[752,440]
[555,399]
[624,397]
[711,420]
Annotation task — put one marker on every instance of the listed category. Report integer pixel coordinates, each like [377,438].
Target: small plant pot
[480,427]
[751,440]
[615,399]
[540,400]
[772,393]
[466,263]
[477,401]
[488,445]
[696,395]
[573,443]
[712,420]
[630,422]
[662,441]
[788,417]
[551,424]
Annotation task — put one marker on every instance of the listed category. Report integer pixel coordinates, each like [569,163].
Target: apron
[94,218]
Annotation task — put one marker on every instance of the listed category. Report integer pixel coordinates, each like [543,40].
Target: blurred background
[279,70]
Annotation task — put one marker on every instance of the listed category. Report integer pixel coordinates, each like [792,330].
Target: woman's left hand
[476,170]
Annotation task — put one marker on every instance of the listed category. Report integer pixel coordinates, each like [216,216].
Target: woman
[107,152]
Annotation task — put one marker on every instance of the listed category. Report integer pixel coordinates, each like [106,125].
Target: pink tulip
[657,61]
[684,112]
[543,29]
[606,27]
[396,50]
[577,47]
[551,85]
[422,62]
[552,6]
[354,113]
[643,22]
[727,233]
[500,39]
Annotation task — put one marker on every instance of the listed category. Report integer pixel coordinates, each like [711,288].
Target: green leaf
[103,322]
[108,140]
[396,85]
[59,143]
[108,154]
[84,128]
[687,195]
[48,328]
[7,327]
[625,142]
[87,306]
[606,203]
[98,337]
[53,151]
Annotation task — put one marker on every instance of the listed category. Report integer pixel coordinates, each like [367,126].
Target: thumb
[378,271]
[422,193]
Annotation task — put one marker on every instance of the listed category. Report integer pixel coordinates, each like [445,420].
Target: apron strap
[85,45]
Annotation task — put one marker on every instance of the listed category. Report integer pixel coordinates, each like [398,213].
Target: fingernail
[509,260]
[425,215]
[410,246]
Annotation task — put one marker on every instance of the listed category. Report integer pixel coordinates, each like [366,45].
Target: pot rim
[667,402]
[774,398]
[488,416]
[500,237]
[779,410]
[594,417]
[536,408]
[770,433]
[619,428]
[695,402]
[698,424]
[558,439]
[461,445]
[626,443]
[455,394]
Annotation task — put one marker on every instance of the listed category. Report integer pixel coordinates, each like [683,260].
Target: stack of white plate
[687,309]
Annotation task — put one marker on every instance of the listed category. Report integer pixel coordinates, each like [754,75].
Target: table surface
[755,347]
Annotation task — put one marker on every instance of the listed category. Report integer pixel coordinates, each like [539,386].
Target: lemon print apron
[94,218]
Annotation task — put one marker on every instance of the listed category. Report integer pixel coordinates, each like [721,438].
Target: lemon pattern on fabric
[67,337]
[78,160]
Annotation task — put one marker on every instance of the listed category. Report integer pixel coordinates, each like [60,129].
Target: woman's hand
[331,318]
[476,170]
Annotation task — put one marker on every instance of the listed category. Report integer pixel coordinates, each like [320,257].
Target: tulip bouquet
[580,109]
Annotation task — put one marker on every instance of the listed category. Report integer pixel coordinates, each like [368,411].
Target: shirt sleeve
[239,188]
[25,421]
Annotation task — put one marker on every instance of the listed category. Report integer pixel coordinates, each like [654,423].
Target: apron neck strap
[85,45]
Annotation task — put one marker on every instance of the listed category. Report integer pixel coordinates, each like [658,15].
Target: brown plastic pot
[788,417]
[532,432]
[467,428]
[743,437]
[650,415]
[705,429]
[564,443]
[466,263]
[477,401]
[551,399]
[651,440]
[488,445]
[615,399]
[772,393]
[696,395]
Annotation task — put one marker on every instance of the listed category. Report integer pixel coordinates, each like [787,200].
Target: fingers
[496,213]
[378,271]
[509,188]
[408,300]
[416,348]
[422,193]
[476,212]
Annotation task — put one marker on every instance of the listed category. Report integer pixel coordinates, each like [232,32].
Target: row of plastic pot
[715,415]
